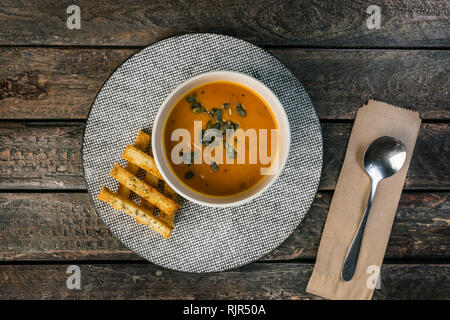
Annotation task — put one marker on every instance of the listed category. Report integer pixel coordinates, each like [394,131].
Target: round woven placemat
[204,239]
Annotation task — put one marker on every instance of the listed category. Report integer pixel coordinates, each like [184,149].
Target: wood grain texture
[43,83]
[48,156]
[52,83]
[270,22]
[146,281]
[41,155]
[338,59]
[341,81]
[64,226]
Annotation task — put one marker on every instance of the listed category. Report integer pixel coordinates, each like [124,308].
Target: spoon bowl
[383,158]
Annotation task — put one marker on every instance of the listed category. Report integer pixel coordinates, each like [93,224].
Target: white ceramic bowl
[158,131]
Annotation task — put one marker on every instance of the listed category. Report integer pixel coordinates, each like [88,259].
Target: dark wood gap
[69,262]
[45,120]
[429,261]
[24,190]
[267,46]
[71,47]
[443,48]
[405,261]
[422,261]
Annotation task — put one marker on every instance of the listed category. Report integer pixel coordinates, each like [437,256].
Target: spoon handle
[351,259]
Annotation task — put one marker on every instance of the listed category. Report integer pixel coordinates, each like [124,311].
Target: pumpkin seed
[231,153]
[218,115]
[189,175]
[188,157]
[213,143]
[226,126]
[196,105]
[209,136]
[190,99]
[216,126]
[240,110]
[208,125]
[197,110]
[202,133]
[236,126]
[214,166]
[202,139]
[225,105]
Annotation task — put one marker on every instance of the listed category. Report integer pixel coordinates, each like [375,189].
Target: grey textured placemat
[204,239]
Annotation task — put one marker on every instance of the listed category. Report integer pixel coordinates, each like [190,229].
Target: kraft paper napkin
[374,120]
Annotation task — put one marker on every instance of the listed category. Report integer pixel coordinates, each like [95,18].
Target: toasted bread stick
[164,203]
[141,215]
[168,191]
[141,143]
[142,160]
[154,181]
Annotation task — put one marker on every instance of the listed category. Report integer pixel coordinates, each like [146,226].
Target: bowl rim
[161,122]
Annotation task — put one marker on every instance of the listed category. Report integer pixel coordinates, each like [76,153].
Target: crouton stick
[136,156]
[147,138]
[141,215]
[153,181]
[141,143]
[146,162]
[142,160]
[168,191]
[144,190]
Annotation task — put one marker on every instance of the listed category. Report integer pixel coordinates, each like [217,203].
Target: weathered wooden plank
[51,83]
[64,226]
[420,231]
[255,281]
[429,166]
[41,155]
[48,156]
[308,23]
[341,81]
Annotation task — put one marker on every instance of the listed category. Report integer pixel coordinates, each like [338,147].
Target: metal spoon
[382,159]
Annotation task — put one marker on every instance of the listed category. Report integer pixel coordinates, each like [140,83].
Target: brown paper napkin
[374,120]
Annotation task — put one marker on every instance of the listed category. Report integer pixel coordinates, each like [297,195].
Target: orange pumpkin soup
[220,107]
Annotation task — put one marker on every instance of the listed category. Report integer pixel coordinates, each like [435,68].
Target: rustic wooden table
[50,75]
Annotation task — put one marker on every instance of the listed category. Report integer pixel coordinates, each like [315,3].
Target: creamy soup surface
[221,105]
